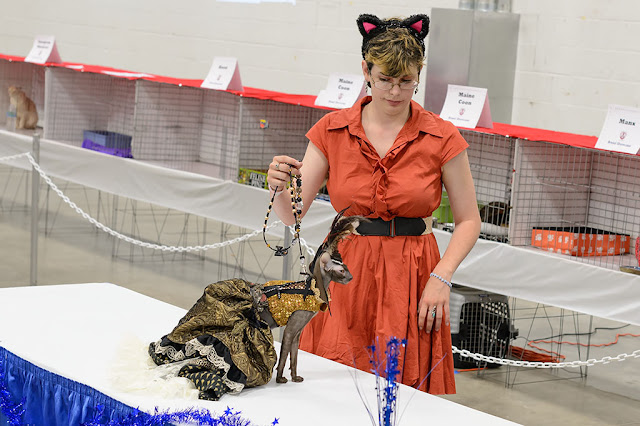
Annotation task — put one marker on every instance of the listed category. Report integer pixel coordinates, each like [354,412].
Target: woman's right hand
[279,171]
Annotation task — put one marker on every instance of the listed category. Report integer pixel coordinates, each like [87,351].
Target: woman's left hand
[434,296]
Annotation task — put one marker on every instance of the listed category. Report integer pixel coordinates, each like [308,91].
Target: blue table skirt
[42,398]
[50,399]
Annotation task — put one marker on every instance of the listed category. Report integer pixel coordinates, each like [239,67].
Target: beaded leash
[295,190]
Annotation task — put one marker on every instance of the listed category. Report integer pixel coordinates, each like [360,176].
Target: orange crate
[580,241]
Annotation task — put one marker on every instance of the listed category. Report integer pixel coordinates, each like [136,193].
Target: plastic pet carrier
[480,323]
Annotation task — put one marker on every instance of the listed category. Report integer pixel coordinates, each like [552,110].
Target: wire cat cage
[580,203]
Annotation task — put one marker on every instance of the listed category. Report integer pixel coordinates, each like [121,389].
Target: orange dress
[389,273]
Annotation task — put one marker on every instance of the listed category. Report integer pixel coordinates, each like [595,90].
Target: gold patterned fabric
[223,336]
[283,303]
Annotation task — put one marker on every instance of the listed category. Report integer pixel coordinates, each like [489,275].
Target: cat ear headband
[371,26]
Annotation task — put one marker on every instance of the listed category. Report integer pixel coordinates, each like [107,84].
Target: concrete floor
[72,251]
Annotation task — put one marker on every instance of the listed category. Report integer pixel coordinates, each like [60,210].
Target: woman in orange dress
[386,158]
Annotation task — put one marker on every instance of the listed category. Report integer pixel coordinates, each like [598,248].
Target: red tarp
[250,92]
[532,134]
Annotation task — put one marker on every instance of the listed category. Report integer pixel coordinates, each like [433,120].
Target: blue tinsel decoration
[11,410]
[386,381]
[159,418]
[387,373]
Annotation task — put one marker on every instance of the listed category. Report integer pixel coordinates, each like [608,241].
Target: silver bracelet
[441,279]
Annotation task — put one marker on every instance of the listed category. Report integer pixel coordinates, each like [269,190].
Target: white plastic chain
[178,249]
[310,251]
[516,363]
[462,352]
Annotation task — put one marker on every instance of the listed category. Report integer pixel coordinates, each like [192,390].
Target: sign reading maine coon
[342,91]
[44,50]
[621,130]
[224,74]
[467,106]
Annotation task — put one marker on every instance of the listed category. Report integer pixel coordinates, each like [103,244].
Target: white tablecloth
[74,331]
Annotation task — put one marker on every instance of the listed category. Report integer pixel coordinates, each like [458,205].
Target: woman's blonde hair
[396,52]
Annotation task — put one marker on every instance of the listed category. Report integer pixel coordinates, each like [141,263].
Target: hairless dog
[326,266]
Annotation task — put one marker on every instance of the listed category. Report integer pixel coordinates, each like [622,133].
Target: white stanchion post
[114,223]
[286,273]
[586,368]
[35,213]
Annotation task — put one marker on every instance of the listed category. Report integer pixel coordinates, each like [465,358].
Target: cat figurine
[26,113]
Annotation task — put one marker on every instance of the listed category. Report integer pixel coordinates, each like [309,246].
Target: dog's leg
[285,349]
[294,360]
[298,320]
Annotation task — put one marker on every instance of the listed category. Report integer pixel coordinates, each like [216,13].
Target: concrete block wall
[574,57]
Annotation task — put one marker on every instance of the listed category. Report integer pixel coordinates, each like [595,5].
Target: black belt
[398,226]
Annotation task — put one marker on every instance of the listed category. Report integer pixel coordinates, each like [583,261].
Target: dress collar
[419,121]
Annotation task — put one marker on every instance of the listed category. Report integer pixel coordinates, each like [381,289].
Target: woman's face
[393,99]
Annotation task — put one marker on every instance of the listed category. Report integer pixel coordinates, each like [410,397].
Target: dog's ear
[324,259]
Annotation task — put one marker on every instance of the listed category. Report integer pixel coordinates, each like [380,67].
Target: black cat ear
[418,25]
[369,25]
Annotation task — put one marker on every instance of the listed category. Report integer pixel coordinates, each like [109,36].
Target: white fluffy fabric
[133,371]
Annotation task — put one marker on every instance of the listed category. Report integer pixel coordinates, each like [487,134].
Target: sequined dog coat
[286,297]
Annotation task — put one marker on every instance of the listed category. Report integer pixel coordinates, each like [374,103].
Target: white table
[91,319]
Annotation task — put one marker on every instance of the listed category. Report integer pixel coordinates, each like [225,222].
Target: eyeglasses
[388,84]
